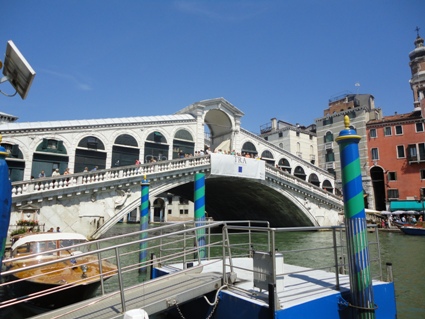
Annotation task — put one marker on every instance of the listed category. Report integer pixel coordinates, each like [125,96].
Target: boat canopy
[39,237]
[416,205]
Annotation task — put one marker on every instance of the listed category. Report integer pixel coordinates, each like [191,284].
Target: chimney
[274,124]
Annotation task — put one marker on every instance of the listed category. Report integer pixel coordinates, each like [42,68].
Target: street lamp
[20,74]
[17,71]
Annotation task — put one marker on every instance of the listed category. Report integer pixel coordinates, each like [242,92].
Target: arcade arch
[49,155]
[268,157]
[90,153]
[314,179]
[299,172]
[284,165]
[249,148]
[327,185]
[183,143]
[156,147]
[125,151]
[220,127]
[15,161]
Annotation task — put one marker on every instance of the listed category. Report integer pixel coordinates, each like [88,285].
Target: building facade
[397,143]
[360,108]
[296,139]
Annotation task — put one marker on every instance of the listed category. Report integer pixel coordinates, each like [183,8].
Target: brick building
[396,144]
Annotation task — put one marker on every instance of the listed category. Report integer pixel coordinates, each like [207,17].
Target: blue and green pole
[199,197]
[355,222]
[144,224]
[5,200]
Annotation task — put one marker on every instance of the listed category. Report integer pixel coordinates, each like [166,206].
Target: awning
[407,205]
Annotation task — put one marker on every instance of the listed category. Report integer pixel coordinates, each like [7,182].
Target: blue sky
[283,59]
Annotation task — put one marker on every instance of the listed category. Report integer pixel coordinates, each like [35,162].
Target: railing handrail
[178,255]
[71,181]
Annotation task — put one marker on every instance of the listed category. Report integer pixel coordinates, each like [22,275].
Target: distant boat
[71,280]
[413,230]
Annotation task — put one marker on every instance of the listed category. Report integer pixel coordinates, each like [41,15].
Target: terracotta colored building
[396,145]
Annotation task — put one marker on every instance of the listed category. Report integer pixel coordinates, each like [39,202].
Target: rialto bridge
[299,193]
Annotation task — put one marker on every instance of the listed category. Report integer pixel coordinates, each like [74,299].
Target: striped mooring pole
[355,223]
[199,198]
[144,224]
[5,200]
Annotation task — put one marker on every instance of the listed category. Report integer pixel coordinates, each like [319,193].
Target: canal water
[406,253]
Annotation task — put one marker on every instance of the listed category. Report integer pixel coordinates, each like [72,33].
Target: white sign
[237,166]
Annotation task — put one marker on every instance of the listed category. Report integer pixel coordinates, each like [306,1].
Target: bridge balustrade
[70,181]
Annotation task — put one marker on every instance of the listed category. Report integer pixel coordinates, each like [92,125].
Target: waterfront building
[397,143]
[360,108]
[296,139]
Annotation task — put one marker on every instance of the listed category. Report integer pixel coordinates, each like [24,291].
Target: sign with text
[237,166]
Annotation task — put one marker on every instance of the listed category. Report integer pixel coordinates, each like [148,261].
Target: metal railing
[176,244]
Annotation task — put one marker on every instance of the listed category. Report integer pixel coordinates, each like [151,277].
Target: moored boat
[413,230]
[54,269]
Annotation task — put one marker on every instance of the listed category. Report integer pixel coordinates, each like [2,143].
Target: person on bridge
[42,174]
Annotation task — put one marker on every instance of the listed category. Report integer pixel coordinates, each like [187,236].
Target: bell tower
[417,66]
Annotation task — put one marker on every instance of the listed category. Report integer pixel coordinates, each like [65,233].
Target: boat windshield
[35,247]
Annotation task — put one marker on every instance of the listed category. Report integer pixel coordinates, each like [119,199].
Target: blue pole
[5,200]
[200,212]
[355,222]
[144,224]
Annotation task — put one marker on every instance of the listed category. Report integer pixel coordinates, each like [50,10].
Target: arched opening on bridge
[183,143]
[49,155]
[268,157]
[249,148]
[220,129]
[326,185]
[158,210]
[156,147]
[284,165]
[299,172]
[378,182]
[15,162]
[313,179]
[125,151]
[90,153]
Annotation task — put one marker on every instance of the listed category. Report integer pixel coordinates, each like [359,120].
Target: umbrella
[398,212]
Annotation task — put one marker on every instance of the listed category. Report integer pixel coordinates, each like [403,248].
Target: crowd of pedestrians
[207,151]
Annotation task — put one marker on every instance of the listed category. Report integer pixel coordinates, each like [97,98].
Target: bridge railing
[293,180]
[63,182]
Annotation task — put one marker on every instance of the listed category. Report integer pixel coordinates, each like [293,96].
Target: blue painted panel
[325,308]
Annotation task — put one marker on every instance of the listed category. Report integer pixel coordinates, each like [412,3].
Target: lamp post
[20,74]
